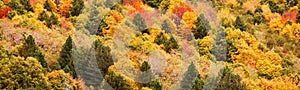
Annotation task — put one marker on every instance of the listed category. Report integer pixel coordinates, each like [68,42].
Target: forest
[150,44]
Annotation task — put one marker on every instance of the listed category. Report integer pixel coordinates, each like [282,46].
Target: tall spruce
[65,60]
[30,49]
[47,6]
[78,5]
[202,27]
[148,75]
[230,81]
[140,23]
[103,56]
[117,82]
[189,77]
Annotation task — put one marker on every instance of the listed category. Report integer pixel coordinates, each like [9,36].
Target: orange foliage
[180,10]
[291,15]
[130,2]
[137,5]
[4,11]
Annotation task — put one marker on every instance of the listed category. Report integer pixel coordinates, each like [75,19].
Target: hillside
[150,44]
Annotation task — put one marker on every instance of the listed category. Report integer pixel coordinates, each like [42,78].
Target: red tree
[4,11]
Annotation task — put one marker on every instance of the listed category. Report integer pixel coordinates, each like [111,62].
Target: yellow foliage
[53,5]
[204,45]
[189,18]
[268,69]
[251,5]
[61,80]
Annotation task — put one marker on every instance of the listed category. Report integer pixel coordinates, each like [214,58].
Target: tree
[166,26]
[171,44]
[30,49]
[148,74]
[230,81]
[47,6]
[198,83]
[53,20]
[65,60]
[58,79]
[153,3]
[26,5]
[77,7]
[239,24]
[92,24]
[20,73]
[140,23]
[189,77]
[202,27]
[117,81]
[103,56]
[43,16]
[160,39]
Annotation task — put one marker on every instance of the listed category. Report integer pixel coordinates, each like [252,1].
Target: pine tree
[153,3]
[230,81]
[166,26]
[189,77]
[160,39]
[43,16]
[103,56]
[140,23]
[26,5]
[30,49]
[171,44]
[117,81]
[77,7]
[52,20]
[239,24]
[198,83]
[202,27]
[47,6]
[148,75]
[145,66]
[65,60]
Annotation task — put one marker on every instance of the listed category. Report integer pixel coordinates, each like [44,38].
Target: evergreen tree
[43,16]
[166,26]
[103,56]
[239,24]
[26,5]
[198,83]
[202,27]
[47,6]
[160,39]
[189,77]
[92,24]
[148,75]
[117,81]
[52,20]
[230,81]
[153,3]
[171,44]
[77,7]
[65,60]
[30,49]
[145,66]
[140,23]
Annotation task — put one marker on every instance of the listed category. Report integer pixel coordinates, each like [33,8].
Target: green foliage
[166,26]
[47,6]
[198,83]
[153,3]
[239,24]
[168,43]
[154,85]
[230,81]
[78,5]
[103,56]
[117,81]
[43,16]
[53,20]
[65,60]
[258,18]
[18,73]
[140,23]
[11,14]
[15,5]
[145,66]
[3,53]
[102,25]
[291,3]
[26,5]
[164,5]
[202,27]
[189,77]
[30,49]
[298,16]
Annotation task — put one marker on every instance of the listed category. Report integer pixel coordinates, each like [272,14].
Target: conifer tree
[43,16]
[103,56]
[160,39]
[47,6]
[26,5]
[117,82]
[140,23]
[77,7]
[30,49]
[202,27]
[166,26]
[171,44]
[153,3]
[65,60]
[230,81]
[189,77]
[148,75]
[198,83]
[239,24]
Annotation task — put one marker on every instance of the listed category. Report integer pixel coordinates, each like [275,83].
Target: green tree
[230,81]
[65,60]
[26,5]
[47,6]
[160,39]
[198,83]
[166,26]
[116,81]
[202,27]
[140,23]
[148,75]
[20,73]
[103,56]
[43,16]
[171,44]
[145,66]
[52,20]
[164,5]
[239,24]
[78,5]
[153,3]
[30,49]
[189,77]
